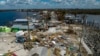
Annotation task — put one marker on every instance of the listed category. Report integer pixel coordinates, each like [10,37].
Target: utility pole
[28,21]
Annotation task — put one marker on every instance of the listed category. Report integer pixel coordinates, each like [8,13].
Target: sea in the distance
[8,16]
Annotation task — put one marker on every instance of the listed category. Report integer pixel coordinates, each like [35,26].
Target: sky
[45,4]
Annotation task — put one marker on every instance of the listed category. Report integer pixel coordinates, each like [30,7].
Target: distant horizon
[52,9]
[47,4]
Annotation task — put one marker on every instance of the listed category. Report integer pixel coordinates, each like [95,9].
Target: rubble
[56,39]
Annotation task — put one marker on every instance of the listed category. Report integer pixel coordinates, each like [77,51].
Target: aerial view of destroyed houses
[49,27]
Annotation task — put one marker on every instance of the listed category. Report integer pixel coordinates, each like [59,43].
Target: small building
[23,24]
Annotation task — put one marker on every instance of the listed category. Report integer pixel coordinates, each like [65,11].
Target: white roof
[42,51]
[20,20]
[22,26]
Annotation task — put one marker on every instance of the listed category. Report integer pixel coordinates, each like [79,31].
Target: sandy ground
[6,43]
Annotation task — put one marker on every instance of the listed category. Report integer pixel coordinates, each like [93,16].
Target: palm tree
[60,15]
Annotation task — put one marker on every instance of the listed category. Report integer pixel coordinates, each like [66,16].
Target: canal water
[6,17]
